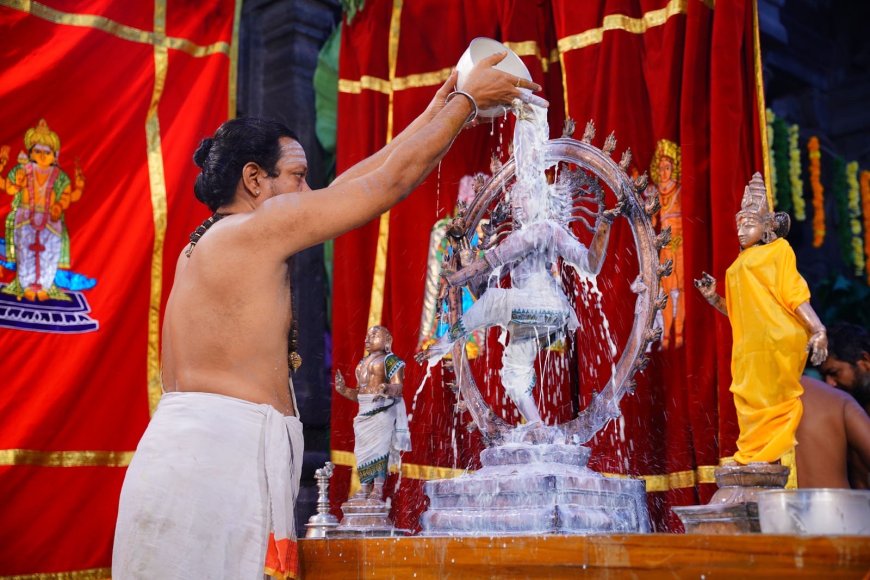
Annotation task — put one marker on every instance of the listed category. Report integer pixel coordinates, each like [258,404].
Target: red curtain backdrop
[649,70]
[129,89]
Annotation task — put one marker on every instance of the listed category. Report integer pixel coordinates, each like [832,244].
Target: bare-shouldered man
[211,489]
[833,425]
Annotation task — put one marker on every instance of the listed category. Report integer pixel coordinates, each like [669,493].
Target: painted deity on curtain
[37,246]
[665,176]
[37,241]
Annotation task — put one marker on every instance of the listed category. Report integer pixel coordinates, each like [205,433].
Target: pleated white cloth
[380,435]
[211,487]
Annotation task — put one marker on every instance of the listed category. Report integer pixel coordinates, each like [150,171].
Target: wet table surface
[602,556]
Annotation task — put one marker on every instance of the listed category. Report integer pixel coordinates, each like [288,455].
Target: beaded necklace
[202,228]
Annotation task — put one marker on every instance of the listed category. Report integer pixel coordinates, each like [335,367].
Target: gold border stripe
[379,276]
[364,83]
[115,28]
[234,62]
[392,58]
[429,472]
[654,483]
[706,473]
[409,470]
[340,457]
[433,78]
[762,107]
[592,36]
[531,48]
[386,87]
[640,25]
[10,457]
[158,206]
[416,81]
[92,574]
[347,459]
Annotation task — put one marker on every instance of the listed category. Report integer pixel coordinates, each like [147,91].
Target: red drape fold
[74,405]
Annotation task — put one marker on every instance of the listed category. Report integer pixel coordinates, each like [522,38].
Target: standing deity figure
[773,327]
[432,325]
[534,310]
[665,177]
[381,425]
[36,236]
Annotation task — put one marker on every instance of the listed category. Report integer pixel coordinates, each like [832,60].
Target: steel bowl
[480,48]
[815,511]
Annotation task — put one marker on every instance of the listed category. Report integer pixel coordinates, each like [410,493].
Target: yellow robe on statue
[764,289]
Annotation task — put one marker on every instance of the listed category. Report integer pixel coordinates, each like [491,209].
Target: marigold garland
[855,217]
[781,166]
[865,206]
[771,136]
[815,171]
[840,190]
[794,174]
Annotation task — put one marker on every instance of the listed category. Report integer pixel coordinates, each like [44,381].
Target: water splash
[426,377]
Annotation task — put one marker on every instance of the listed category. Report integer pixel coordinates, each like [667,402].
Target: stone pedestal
[365,516]
[733,508]
[530,489]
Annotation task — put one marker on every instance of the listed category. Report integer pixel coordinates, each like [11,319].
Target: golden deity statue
[773,327]
[665,177]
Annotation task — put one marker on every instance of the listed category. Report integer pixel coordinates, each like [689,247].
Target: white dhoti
[210,492]
[38,255]
[380,434]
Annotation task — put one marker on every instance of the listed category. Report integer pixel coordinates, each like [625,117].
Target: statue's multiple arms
[598,247]
[817,345]
[518,244]
[706,285]
[4,159]
[17,183]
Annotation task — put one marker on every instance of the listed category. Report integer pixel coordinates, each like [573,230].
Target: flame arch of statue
[637,210]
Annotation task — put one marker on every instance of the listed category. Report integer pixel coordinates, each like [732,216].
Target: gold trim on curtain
[65,458]
[365,82]
[379,276]
[762,107]
[157,182]
[431,78]
[115,28]
[531,48]
[409,470]
[654,483]
[234,62]
[92,574]
[640,25]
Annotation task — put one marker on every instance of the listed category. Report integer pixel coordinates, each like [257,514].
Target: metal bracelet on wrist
[473,115]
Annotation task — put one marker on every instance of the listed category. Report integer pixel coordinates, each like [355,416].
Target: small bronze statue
[381,426]
[773,326]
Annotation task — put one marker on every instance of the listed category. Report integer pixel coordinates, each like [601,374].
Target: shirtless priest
[210,492]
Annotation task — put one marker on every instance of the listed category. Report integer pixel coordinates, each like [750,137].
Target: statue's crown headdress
[41,135]
[665,148]
[755,198]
